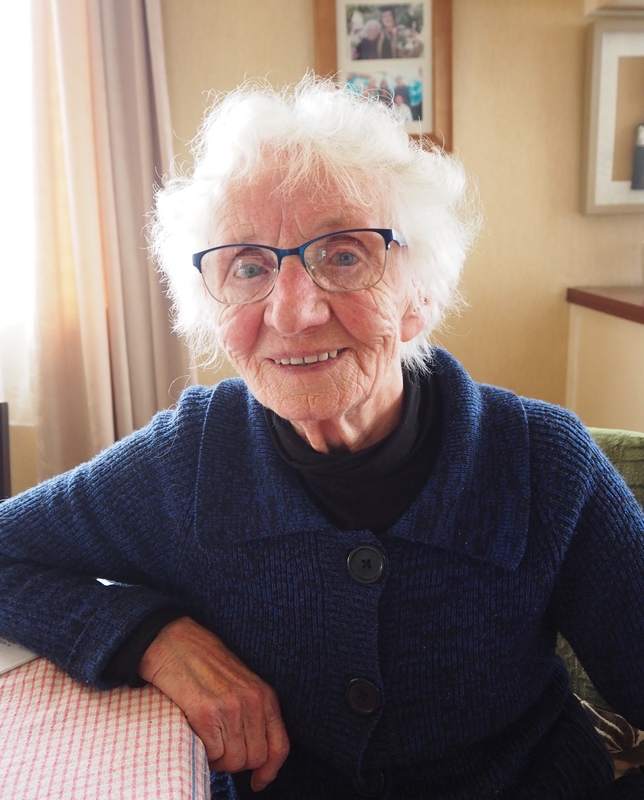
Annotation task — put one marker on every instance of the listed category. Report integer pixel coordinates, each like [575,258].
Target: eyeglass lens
[341,262]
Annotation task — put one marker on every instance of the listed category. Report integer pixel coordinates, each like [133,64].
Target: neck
[355,430]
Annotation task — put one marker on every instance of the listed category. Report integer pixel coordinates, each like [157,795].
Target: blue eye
[250,270]
[345,259]
[336,255]
[252,263]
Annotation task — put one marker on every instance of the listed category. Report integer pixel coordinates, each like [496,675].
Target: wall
[22,443]
[217,45]
[518,110]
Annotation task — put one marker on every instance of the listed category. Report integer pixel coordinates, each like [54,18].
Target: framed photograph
[399,53]
[614,126]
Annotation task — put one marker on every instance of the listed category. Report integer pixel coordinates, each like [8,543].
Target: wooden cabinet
[605,382]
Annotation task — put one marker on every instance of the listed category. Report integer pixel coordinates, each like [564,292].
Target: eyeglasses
[344,261]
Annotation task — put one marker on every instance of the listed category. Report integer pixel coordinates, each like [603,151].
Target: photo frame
[614,110]
[416,65]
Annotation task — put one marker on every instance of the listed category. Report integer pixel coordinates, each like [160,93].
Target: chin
[305,408]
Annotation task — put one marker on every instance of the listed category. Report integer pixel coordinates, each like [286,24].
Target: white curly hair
[316,128]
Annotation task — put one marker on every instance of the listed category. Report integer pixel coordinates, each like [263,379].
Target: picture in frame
[614,111]
[400,53]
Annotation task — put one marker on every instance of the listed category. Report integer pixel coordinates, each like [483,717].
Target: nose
[296,302]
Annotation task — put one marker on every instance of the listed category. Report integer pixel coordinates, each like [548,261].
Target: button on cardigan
[522,529]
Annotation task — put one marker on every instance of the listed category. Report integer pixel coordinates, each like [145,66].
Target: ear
[412,323]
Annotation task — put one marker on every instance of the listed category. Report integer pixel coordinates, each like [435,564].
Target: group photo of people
[385,31]
[403,92]
[375,34]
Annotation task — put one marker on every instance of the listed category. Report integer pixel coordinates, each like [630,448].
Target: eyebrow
[335,224]
[330,225]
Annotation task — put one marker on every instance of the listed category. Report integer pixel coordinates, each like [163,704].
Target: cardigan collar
[476,501]
[477,498]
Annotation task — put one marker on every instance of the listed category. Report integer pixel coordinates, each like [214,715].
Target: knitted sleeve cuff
[123,666]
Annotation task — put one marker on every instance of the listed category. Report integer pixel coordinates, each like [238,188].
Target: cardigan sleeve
[599,588]
[124,517]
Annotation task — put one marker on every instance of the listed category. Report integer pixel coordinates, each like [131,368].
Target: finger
[262,718]
[278,750]
[214,743]
[256,742]
[231,731]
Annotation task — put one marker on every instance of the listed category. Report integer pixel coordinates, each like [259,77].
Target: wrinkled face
[308,354]
[372,31]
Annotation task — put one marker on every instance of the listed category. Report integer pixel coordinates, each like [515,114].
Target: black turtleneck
[373,487]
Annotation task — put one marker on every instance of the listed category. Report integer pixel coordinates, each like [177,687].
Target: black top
[373,487]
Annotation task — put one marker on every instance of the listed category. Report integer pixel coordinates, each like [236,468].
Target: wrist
[157,654]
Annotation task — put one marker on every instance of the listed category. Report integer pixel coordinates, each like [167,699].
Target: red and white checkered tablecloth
[60,740]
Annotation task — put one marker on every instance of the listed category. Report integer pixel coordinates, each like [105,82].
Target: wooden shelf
[612,5]
[626,302]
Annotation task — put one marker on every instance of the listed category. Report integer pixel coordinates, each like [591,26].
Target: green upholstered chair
[626,451]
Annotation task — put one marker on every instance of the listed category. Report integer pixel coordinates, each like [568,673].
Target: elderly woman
[370,46]
[348,568]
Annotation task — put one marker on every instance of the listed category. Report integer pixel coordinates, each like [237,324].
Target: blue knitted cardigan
[522,529]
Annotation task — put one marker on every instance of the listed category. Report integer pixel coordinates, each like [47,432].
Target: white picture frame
[609,40]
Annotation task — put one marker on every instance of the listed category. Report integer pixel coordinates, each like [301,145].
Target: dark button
[369,785]
[366,563]
[363,696]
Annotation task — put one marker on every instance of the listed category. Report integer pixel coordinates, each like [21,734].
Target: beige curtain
[106,357]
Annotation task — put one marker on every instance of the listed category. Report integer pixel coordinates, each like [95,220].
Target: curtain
[106,359]
[16,213]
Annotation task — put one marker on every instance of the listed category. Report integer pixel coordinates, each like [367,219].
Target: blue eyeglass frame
[388,234]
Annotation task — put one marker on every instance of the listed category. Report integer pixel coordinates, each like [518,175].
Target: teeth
[307,359]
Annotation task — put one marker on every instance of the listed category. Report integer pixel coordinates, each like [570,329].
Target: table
[62,740]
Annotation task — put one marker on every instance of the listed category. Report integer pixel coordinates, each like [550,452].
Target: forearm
[74,621]
[122,517]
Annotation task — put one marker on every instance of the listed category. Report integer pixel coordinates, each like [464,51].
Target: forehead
[269,210]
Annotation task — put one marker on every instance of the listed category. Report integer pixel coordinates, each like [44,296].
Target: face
[387,19]
[372,31]
[310,355]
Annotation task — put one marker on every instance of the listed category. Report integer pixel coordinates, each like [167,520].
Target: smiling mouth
[294,362]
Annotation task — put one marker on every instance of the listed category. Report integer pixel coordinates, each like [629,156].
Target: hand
[231,709]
